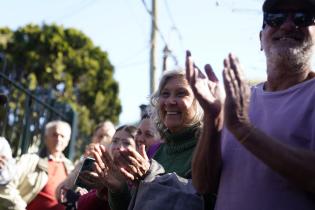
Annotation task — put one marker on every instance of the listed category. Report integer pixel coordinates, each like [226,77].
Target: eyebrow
[120,139]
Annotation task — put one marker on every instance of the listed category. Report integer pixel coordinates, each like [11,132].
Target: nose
[59,137]
[119,146]
[140,139]
[171,100]
[288,24]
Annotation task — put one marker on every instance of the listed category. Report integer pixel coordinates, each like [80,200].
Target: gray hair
[56,123]
[156,114]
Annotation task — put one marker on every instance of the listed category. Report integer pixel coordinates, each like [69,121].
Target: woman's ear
[261,47]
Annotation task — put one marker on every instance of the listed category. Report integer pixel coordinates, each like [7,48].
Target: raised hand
[206,89]
[133,165]
[237,95]
[107,170]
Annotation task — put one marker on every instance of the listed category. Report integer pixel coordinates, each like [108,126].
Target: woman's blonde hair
[154,99]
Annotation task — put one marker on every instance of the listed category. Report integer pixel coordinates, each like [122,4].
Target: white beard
[293,55]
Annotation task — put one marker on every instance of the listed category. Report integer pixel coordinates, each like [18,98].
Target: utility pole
[153,47]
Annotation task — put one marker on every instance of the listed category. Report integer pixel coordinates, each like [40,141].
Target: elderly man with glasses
[264,156]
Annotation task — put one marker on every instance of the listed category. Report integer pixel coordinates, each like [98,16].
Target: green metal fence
[24,116]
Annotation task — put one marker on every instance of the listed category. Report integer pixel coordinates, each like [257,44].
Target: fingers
[82,191]
[139,142]
[99,167]
[189,67]
[133,162]
[228,80]
[128,163]
[143,153]
[237,75]
[103,161]
[237,93]
[236,67]
[130,152]
[234,72]
[233,64]
[198,73]
[83,176]
[129,176]
[89,174]
[98,159]
[210,73]
[106,157]
[237,82]
[193,73]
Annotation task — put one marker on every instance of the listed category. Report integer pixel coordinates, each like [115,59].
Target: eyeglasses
[300,19]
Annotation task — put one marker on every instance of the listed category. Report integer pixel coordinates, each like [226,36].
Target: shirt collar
[56,159]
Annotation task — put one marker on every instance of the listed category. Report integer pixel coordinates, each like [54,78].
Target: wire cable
[84,5]
[174,27]
[154,21]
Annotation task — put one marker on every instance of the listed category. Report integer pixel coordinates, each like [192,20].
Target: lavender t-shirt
[246,182]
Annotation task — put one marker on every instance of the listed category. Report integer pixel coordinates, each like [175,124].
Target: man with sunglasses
[265,157]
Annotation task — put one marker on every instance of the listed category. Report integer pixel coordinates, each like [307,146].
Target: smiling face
[121,139]
[176,104]
[289,43]
[57,138]
[146,133]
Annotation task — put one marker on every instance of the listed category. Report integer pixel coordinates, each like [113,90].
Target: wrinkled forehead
[58,128]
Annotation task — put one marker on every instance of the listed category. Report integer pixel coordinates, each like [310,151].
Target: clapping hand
[237,95]
[133,165]
[206,89]
[107,170]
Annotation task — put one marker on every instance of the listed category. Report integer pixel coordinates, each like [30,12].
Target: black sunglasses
[300,19]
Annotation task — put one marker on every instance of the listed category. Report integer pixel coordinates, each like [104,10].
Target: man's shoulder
[29,157]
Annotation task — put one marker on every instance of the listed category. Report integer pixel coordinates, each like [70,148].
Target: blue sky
[210,29]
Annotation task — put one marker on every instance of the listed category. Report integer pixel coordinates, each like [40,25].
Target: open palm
[206,89]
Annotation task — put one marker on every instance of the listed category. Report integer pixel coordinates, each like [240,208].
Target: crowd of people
[192,148]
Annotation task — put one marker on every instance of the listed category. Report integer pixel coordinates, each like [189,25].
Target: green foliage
[49,55]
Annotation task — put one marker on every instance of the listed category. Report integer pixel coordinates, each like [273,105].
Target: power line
[174,27]
[167,52]
[133,14]
[154,20]
[128,60]
[77,10]
[130,65]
